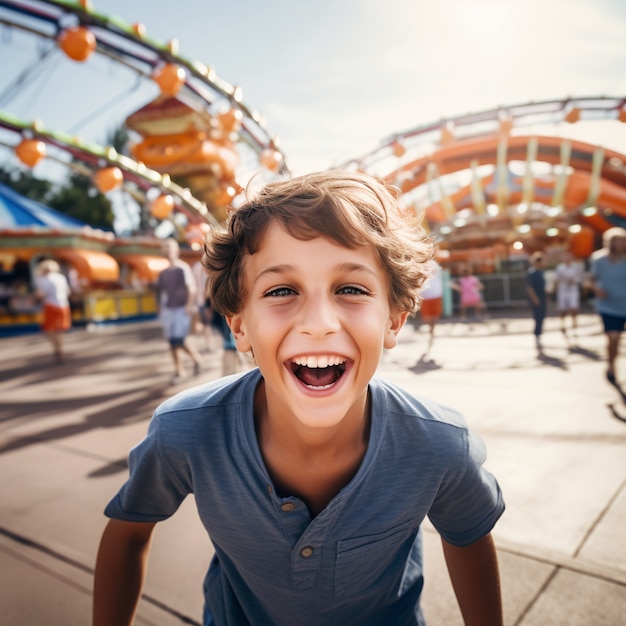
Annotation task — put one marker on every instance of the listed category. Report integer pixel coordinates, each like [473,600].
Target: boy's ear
[396,321]
[238,329]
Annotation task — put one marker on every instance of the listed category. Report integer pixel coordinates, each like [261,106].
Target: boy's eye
[279,292]
[353,290]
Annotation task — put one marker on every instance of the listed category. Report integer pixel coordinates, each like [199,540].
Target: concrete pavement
[555,431]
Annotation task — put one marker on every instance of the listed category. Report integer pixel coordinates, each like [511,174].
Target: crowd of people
[185,307]
[607,282]
[604,281]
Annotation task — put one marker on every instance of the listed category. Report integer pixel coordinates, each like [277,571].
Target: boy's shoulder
[394,401]
[231,397]
[235,390]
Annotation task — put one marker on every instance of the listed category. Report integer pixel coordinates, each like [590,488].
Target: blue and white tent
[17,211]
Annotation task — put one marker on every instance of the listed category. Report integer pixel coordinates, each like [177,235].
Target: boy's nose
[318,317]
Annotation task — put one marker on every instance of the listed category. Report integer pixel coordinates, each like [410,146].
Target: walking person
[470,288]
[203,313]
[568,278]
[536,291]
[176,286]
[291,464]
[608,280]
[432,299]
[53,289]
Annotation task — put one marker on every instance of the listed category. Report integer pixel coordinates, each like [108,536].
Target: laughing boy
[311,476]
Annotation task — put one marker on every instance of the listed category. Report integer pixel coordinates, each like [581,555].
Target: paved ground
[555,430]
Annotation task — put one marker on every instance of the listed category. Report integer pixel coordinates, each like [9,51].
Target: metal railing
[507,290]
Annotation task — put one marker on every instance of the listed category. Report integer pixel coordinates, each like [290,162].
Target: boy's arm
[120,572]
[474,574]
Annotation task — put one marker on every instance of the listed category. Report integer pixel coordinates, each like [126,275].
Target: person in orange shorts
[432,298]
[54,290]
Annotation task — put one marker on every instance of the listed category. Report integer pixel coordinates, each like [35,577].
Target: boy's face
[317,316]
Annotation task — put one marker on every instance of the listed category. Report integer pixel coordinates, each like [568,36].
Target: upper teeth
[318,361]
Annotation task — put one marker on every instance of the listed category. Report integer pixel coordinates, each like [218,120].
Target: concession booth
[111,279]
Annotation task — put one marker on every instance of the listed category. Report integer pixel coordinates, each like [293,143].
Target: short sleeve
[159,480]
[469,501]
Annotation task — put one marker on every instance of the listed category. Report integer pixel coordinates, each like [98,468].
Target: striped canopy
[17,211]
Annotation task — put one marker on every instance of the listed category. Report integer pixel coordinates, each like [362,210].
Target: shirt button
[288,506]
[305,553]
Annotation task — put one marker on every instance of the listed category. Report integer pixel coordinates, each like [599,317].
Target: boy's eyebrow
[357,267]
[342,267]
[274,269]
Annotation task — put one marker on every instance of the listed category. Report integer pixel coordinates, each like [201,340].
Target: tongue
[317,376]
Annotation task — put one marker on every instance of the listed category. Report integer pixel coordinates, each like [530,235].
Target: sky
[334,77]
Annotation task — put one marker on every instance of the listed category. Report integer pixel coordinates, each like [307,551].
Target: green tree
[28,185]
[79,199]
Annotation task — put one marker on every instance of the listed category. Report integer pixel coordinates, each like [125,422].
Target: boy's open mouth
[318,372]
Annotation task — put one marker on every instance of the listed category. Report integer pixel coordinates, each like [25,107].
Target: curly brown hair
[350,208]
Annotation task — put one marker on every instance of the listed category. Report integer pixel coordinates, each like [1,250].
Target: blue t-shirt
[536,280]
[360,560]
[610,274]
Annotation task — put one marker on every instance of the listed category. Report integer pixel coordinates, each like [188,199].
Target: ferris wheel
[196,144]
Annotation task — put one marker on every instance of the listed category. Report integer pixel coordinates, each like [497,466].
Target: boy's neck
[312,464]
[286,433]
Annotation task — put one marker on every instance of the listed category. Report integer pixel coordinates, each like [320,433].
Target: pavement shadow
[39,370]
[425,364]
[50,407]
[592,355]
[114,467]
[136,409]
[552,361]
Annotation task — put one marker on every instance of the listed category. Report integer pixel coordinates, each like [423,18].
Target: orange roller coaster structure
[497,181]
[576,190]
